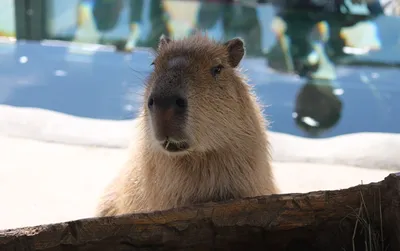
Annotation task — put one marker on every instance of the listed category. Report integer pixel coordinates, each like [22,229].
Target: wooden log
[345,219]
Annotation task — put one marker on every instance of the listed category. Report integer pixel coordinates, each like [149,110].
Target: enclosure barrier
[363,217]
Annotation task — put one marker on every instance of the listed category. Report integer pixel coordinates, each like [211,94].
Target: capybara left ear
[236,51]
[163,41]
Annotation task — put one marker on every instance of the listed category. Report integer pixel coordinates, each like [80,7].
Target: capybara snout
[168,116]
[168,103]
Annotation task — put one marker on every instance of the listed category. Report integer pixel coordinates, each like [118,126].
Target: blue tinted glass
[322,68]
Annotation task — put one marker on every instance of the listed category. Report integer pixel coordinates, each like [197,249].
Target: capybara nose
[167,115]
[174,103]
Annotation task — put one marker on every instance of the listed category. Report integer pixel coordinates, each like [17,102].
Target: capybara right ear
[236,51]
[163,41]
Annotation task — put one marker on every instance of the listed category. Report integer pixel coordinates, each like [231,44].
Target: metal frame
[21,19]
[38,20]
[30,19]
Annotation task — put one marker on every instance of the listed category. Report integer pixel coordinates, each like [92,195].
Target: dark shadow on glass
[237,20]
[332,6]
[310,45]
[106,14]
[158,19]
[317,107]
[298,32]
[106,17]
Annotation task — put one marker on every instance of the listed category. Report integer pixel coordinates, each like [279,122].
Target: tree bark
[345,219]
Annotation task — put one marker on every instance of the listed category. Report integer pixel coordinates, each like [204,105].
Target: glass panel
[323,68]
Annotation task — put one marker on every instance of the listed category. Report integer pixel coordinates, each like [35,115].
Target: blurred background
[320,67]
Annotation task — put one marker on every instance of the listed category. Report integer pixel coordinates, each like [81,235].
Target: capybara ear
[236,51]
[163,41]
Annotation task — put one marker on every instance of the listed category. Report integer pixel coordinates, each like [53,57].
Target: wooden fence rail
[348,219]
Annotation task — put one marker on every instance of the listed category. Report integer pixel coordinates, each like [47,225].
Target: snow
[54,166]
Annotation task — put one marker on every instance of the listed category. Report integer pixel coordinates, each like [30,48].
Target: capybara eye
[152,63]
[150,102]
[216,70]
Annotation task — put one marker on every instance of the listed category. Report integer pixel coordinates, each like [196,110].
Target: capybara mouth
[171,146]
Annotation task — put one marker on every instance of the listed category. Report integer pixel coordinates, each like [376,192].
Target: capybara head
[194,96]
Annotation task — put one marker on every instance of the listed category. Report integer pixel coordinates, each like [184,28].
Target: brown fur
[229,155]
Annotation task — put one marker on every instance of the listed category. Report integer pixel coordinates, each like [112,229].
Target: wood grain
[320,220]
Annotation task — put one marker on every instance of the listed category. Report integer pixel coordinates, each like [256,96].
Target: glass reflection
[310,45]
[316,65]
[317,107]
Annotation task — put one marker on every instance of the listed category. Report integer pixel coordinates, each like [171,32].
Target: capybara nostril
[181,103]
[174,102]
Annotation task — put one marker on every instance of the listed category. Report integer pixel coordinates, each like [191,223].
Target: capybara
[200,136]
